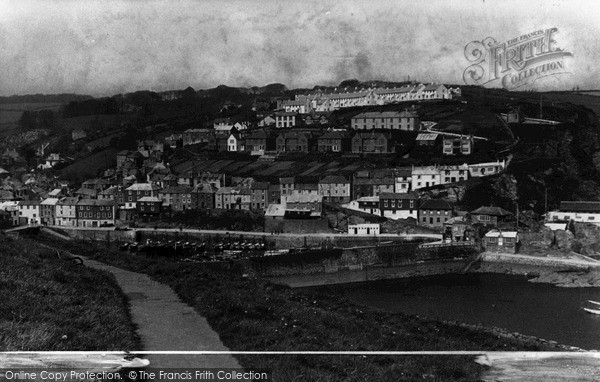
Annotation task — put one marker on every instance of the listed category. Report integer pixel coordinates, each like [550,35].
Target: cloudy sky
[108,47]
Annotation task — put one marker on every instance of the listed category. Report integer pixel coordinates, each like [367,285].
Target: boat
[593,311]
[594,302]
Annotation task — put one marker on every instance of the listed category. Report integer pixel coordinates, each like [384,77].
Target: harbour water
[504,301]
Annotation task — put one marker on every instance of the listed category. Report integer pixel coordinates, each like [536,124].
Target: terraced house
[388,120]
[295,141]
[335,189]
[233,198]
[95,213]
[178,198]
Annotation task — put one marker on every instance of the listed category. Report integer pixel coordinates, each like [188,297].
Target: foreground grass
[251,314]
[47,304]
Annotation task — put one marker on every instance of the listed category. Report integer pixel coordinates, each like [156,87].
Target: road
[253,233]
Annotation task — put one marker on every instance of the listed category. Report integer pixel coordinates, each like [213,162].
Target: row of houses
[343,98]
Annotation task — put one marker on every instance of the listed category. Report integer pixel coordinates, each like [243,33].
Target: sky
[110,47]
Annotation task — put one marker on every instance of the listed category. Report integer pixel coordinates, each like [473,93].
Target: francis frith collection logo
[515,63]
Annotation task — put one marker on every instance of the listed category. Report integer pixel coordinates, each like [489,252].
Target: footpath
[167,324]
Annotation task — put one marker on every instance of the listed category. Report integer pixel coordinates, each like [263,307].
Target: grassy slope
[49,304]
[255,315]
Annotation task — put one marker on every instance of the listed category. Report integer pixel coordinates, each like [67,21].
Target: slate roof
[435,204]
[573,206]
[334,179]
[491,211]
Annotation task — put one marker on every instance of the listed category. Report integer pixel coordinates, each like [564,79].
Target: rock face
[563,239]
[586,239]
[537,240]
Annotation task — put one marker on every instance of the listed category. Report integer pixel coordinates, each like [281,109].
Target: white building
[363,229]
[29,212]
[425,176]
[452,174]
[581,212]
[486,169]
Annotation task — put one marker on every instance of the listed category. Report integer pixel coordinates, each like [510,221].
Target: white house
[452,174]
[29,212]
[425,176]
[363,229]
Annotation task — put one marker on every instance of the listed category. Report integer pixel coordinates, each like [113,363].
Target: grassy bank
[48,304]
[251,314]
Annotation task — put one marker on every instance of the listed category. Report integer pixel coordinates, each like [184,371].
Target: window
[438,220]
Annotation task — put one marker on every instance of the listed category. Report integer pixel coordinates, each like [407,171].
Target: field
[251,314]
[50,304]
[89,167]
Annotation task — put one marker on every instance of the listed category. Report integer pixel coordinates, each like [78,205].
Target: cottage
[452,174]
[203,196]
[402,180]
[486,169]
[490,216]
[233,198]
[48,210]
[501,241]
[426,176]
[260,195]
[29,212]
[66,214]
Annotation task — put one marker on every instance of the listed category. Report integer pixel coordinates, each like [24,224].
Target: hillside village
[407,153]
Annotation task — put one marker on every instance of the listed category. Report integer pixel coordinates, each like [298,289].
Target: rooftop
[574,206]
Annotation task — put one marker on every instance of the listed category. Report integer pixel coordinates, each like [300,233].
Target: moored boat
[592,311]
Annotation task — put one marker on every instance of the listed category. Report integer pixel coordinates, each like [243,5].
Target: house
[235,143]
[303,205]
[29,212]
[462,145]
[11,211]
[425,176]
[149,207]
[486,169]
[436,91]
[203,196]
[260,195]
[398,206]
[65,214]
[109,194]
[363,229]
[334,189]
[581,212]
[388,120]
[137,191]
[501,241]
[402,180]
[95,213]
[48,210]
[295,141]
[334,141]
[434,213]
[366,204]
[233,198]
[372,183]
[294,106]
[490,216]
[260,141]
[286,186]
[452,174]
[372,143]
[86,193]
[194,136]
[306,188]
[134,156]
[274,195]
[285,119]
[178,198]
[96,184]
